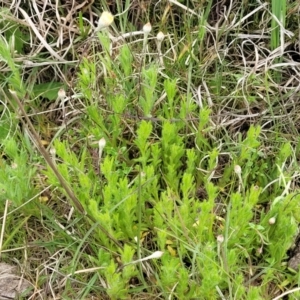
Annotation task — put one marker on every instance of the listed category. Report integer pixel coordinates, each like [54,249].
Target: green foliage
[12,32]
[6,122]
[47,90]
[13,78]
[198,161]
[87,77]
[278,22]
[148,184]
[16,175]
[170,88]
[148,96]
[278,28]
[126,60]
[143,134]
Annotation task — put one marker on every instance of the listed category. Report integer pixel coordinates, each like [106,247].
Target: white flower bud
[160,36]
[272,221]
[156,254]
[52,151]
[147,28]
[237,169]
[105,20]
[259,250]
[220,238]
[61,94]
[102,143]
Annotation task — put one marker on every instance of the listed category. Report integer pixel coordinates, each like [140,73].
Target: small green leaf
[47,90]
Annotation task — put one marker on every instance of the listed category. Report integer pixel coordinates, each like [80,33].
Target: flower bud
[237,169]
[147,28]
[61,94]
[105,20]
[220,238]
[156,254]
[102,143]
[52,151]
[160,36]
[272,221]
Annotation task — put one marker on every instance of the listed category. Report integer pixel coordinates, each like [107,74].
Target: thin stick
[3,225]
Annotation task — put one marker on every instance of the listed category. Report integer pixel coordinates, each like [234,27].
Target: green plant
[173,142]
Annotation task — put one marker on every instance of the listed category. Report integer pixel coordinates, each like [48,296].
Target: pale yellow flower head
[105,20]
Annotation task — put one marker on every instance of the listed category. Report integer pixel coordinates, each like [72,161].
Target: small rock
[11,284]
